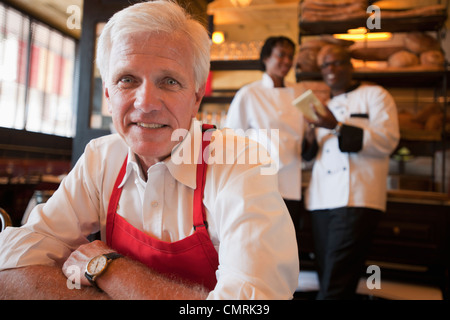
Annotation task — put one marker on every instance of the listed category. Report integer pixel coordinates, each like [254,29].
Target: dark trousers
[294,207]
[342,238]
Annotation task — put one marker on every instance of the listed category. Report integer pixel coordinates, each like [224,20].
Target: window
[36,75]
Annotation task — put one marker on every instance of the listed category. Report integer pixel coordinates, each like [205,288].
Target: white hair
[160,16]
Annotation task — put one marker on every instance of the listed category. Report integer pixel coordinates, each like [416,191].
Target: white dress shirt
[259,105]
[248,223]
[355,179]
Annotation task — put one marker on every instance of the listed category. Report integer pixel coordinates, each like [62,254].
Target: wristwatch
[97,265]
[337,130]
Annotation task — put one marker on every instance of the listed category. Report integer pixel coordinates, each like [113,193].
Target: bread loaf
[419,42]
[402,59]
[406,121]
[423,11]
[315,43]
[332,10]
[434,122]
[306,60]
[423,115]
[434,58]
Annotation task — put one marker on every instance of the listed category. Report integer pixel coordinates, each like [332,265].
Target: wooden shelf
[407,195]
[390,79]
[226,96]
[421,135]
[431,23]
[228,65]
[219,99]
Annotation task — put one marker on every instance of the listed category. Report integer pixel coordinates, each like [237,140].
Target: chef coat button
[329,171]
[344,168]
[154,204]
[327,150]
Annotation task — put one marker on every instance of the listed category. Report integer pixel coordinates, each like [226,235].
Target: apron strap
[199,208]
[114,201]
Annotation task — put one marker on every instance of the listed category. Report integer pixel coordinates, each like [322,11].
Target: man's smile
[150,125]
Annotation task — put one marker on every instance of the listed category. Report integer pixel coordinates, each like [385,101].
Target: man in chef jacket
[175,223]
[347,192]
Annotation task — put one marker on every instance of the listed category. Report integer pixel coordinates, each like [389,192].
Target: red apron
[193,258]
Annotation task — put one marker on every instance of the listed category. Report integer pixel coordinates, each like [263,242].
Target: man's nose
[148,98]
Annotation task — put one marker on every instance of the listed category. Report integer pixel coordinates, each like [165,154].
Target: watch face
[96,265]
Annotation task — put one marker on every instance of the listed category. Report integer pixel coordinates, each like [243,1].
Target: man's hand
[83,255]
[326,120]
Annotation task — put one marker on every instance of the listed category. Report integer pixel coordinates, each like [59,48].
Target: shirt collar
[182,167]
[182,164]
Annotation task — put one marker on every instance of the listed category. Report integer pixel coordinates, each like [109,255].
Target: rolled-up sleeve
[59,226]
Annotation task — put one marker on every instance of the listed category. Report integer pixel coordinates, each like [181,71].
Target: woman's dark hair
[268,46]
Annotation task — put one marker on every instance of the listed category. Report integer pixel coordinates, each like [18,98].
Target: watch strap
[113,255]
[92,281]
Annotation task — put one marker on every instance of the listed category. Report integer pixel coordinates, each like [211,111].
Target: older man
[190,229]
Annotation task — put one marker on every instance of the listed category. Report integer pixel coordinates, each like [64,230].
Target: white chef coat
[249,224]
[355,179]
[261,106]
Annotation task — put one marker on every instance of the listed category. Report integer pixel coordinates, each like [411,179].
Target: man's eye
[171,82]
[126,80]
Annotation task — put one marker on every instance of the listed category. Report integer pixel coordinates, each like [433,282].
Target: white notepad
[303,103]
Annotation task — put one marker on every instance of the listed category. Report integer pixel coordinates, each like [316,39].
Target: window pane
[46,104]
[100,116]
[13,56]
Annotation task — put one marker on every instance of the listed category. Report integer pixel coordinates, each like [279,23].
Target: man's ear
[106,93]
[198,99]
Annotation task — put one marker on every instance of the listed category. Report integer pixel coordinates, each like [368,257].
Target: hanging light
[241,3]
[361,34]
[218,37]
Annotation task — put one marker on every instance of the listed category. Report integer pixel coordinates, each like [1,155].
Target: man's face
[150,90]
[280,61]
[336,72]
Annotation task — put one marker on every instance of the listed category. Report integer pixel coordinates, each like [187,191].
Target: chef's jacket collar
[267,81]
[349,89]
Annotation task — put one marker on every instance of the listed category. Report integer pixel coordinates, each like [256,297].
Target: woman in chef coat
[263,110]
[347,192]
